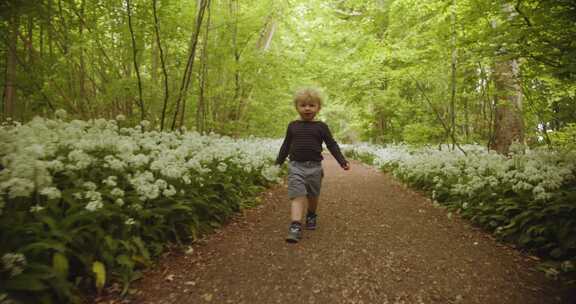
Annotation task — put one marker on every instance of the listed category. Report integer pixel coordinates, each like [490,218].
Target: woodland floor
[377,242]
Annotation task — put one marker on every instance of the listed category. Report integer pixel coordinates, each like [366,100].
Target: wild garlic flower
[130,221]
[170,191]
[111,181]
[222,167]
[119,202]
[117,192]
[36,208]
[60,113]
[13,263]
[90,186]
[17,187]
[271,173]
[51,193]
[94,205]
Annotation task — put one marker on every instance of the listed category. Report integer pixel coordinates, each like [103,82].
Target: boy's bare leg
[313,203]
[297,208]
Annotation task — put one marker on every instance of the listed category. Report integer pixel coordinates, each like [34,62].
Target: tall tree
[508,123]
[135,60]
[11,62]
[187,75]
[163,63]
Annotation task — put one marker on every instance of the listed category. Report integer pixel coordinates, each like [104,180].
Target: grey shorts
[304,178]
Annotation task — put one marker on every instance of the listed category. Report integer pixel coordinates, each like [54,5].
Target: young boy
[303,143]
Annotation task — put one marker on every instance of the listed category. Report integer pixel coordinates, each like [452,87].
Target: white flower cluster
[537,172]
[13,263]
[153,163]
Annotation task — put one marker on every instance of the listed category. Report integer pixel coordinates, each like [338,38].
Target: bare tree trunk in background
[50,37]
[134,57]
[11,62]
[186,79]
[82,73]
[164,71]
[235,115]
[29,40]
[454,59]
[508,124]
[201,108]
[466,119]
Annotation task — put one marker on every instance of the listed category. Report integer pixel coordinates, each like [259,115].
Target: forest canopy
[461,71]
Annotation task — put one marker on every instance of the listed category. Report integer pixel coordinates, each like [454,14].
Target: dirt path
[377,242]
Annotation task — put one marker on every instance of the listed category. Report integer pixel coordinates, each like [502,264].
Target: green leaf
[99,271]
[24,283]
[125,260]
[60,264]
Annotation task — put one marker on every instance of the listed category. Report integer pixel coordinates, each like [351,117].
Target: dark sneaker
[311,221]
[294,233]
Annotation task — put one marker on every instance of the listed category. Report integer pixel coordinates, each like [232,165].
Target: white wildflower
[130,221]
[13,263]
[120,117]
[117,192]
[51,193]
[271,173]
[36,208]
[222,167]
[119,202]
[94,205]
[170,191]
[90,186]
[18,187]
[162,184]
[36,151]
[145,123]
[60,113]
[93,195]
[111,181]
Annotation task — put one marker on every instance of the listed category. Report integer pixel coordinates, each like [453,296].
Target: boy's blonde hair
[308,95]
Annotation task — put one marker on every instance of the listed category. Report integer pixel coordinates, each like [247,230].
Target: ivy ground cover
[527,199]
[86,203]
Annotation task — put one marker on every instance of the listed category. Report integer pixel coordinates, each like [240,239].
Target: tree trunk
[11,62]
[508,124]
[201,107]
[236,53]
[135,60]
[186,78]
[164,71]
[82,72]
[453,76]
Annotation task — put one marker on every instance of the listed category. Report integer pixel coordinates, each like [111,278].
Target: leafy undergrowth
[87,203]
[527,199]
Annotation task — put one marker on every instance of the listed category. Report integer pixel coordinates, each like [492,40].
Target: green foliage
[419,133]
[387,62]
[566,137]
[108,219]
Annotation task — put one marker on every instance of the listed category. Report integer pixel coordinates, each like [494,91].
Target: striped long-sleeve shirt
[303,142]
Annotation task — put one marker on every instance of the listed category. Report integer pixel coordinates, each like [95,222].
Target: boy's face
[307,109]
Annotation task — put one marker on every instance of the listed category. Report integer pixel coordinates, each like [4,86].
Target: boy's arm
[333,147]
[285,149]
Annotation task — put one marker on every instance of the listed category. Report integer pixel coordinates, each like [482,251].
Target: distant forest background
[460,71]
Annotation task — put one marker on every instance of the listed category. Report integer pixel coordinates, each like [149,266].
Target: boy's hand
[346,166]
